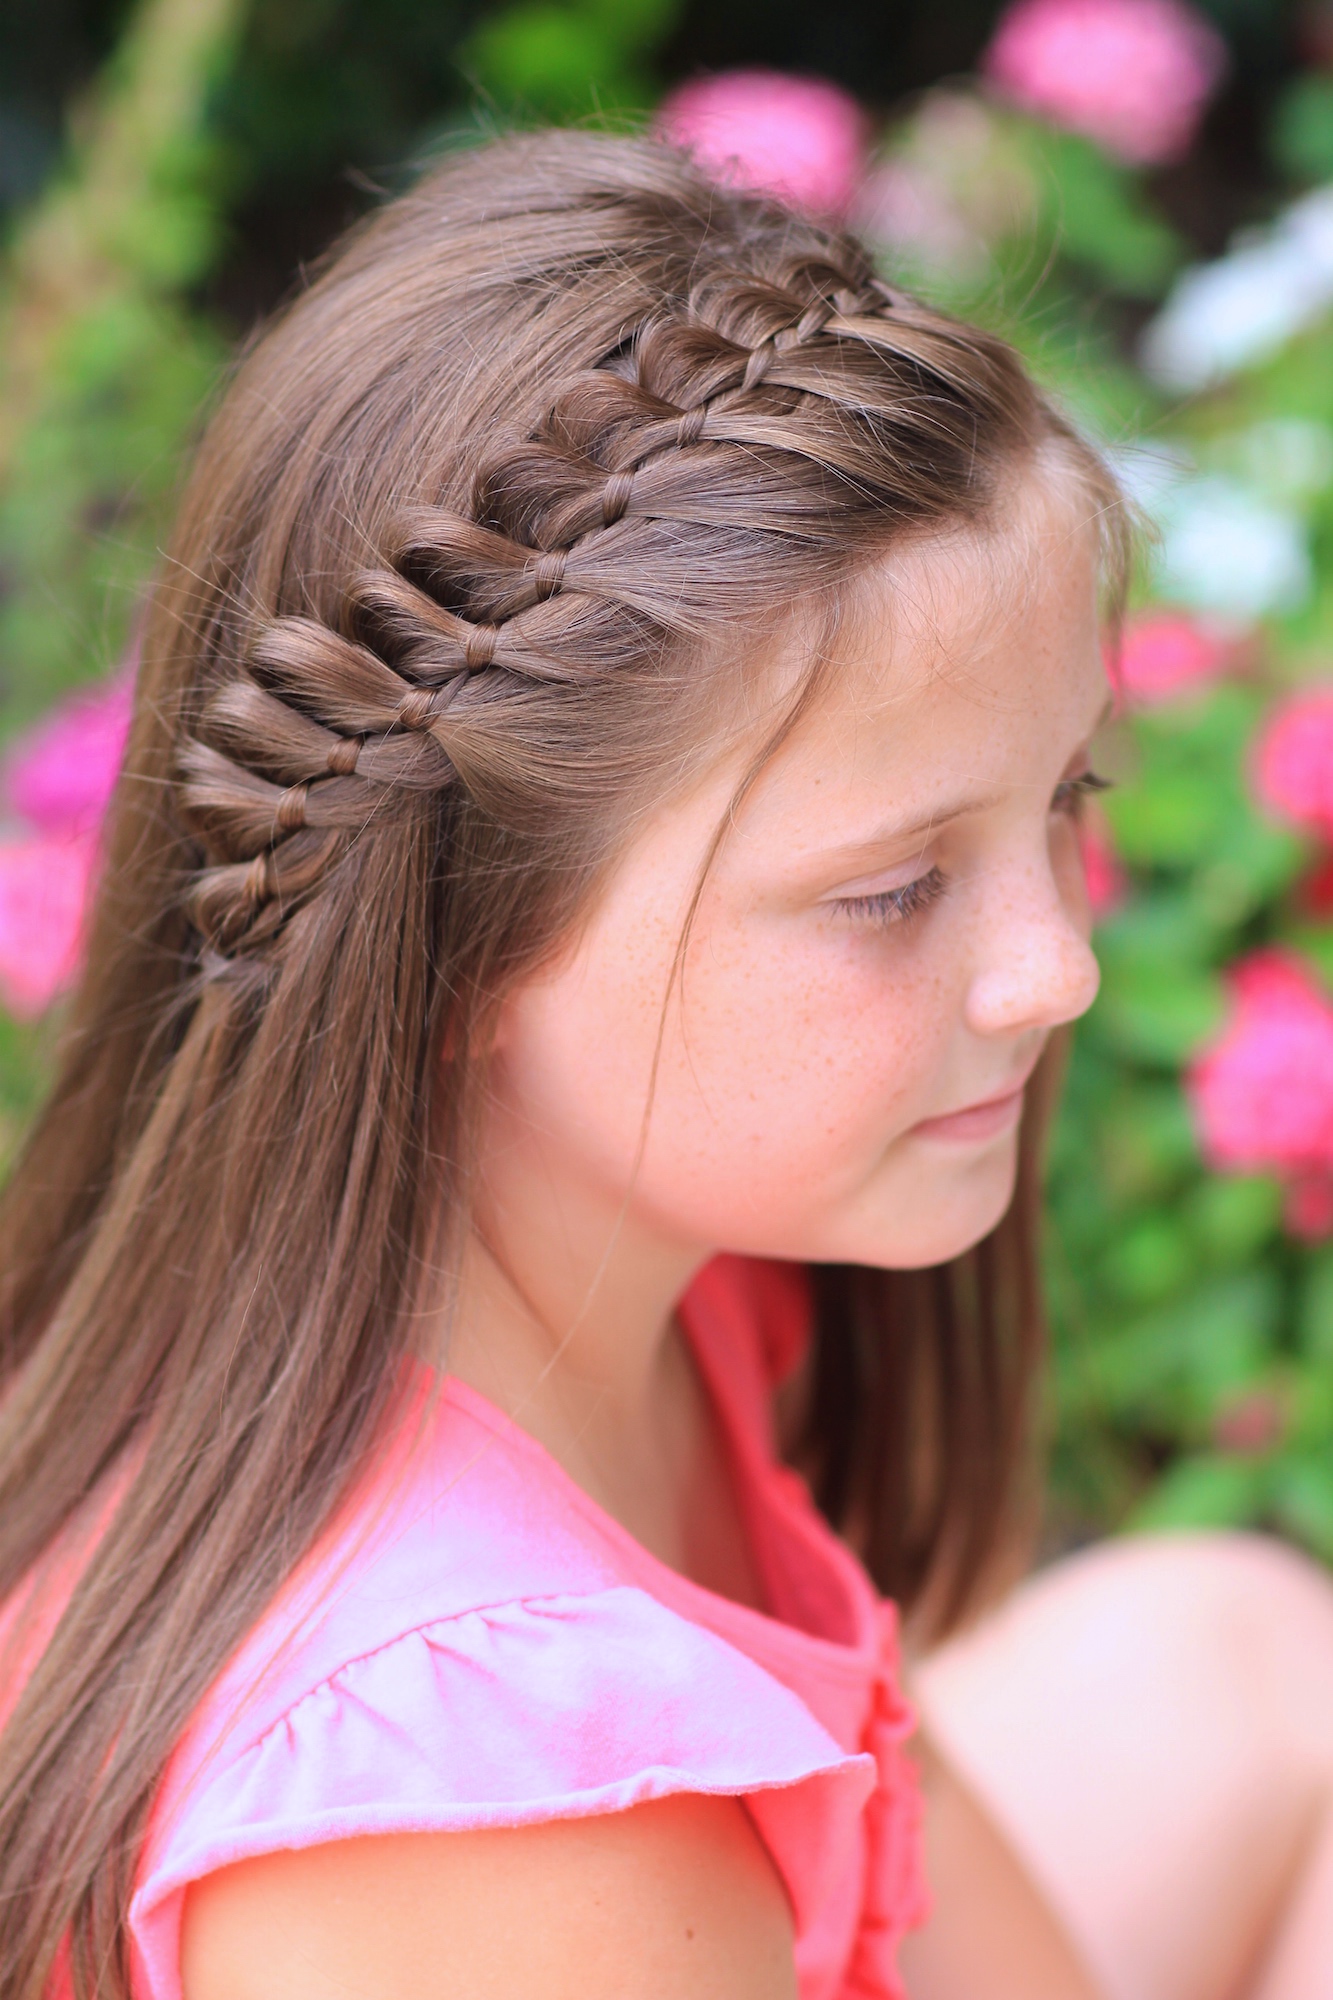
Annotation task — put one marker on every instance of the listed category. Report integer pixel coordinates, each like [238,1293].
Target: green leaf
[1159,1015]
[562,60]
[1149,1259]
[1302,131]
[1302,1498]
[1146,1141]
[1315,942]
[1171,819]
[26,1065]
[1250,864]
[1314,1323]
[636,24]
[1232,1217]
[1098,217]
[1310,1405]
[1206,1490]
[544,58]
[1176,1367]
[1160,1000]
[1161,928]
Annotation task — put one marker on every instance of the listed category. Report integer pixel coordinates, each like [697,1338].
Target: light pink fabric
[476,1644]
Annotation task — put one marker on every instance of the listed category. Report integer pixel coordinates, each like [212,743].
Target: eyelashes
[894,906]
[1071,792]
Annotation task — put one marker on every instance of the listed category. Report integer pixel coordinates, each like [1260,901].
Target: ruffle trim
[541,1709]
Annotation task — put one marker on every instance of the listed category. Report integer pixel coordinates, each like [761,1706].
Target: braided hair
[458,587]
[761,398]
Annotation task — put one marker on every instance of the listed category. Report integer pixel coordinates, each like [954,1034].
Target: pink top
[475,1644]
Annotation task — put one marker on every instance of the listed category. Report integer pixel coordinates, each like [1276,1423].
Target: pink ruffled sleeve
[541,1708]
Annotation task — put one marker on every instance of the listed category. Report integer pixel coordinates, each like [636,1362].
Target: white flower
[1225,550]
[1246,306]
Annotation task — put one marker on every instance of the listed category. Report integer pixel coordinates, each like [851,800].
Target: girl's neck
[568,1325]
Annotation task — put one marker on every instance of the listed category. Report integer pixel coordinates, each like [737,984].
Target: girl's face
[892,926]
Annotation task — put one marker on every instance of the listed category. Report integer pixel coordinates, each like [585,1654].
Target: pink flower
[1132,74]
[797,138]
[1166,654]
[61,775]
[59,779]
[44,884]
[1262,1094]
[1293,761]
[1102,872]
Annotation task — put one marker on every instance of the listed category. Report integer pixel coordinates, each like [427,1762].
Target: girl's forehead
[987,615]
[958,663]
[959,658]
[953,591]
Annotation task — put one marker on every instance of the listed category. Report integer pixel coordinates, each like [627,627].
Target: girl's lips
[975,1122]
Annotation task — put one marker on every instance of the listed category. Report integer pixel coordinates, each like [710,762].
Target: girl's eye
[1071,792]
[894,906]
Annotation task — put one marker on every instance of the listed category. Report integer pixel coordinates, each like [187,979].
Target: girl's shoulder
[473,1644]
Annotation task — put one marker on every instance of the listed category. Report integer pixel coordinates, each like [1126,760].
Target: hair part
[441,614]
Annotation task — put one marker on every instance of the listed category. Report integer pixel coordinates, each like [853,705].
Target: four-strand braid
[326,734]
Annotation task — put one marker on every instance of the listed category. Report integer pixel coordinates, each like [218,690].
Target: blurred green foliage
[103,364]
[562,58]
[1194,1336]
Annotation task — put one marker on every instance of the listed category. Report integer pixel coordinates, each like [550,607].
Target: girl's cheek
[825,1025]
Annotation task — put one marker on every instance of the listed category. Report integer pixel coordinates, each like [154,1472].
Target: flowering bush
[1133,74]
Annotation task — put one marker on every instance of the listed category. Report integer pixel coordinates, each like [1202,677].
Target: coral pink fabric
[476,1644]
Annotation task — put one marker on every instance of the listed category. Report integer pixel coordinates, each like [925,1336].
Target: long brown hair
[443,608]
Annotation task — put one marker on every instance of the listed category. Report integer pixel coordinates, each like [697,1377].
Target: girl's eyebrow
[892,832]
[897,833]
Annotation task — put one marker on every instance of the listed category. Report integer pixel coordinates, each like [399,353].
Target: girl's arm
[672,1899]
[992,1935]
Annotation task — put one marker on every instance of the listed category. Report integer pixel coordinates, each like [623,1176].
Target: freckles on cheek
[822,1035]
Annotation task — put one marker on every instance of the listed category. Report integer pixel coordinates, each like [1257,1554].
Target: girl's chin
[955,1221]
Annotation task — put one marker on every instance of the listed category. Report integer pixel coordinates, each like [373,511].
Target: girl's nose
[1039,972]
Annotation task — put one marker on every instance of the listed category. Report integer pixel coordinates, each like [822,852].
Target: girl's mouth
[986,1119]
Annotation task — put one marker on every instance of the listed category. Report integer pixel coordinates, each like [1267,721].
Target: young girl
[556,1086]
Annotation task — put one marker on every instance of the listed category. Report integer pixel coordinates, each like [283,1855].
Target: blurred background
[1140,193]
